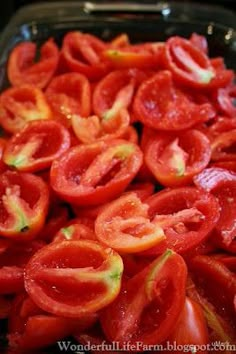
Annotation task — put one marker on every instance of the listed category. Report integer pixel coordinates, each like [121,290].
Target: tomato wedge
[95,173]
[22,69]
[191,327]
[69,94]
[94,272]
[222,184]
[19,105]
[175,159]
[149,304]
[186,214]
[82,52]
[124,225]
[189,64]
[160,105]
[36,146]
[24,204]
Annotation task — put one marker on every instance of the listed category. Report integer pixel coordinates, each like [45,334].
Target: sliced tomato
[69,94]
[175,159]
[141,56]
[82,52]
[200,42]
[191,328]
[23,69]
[210,275]
[57,217]
[149,304]
[222,184]
[94,272]
[32,328]
[115,91]
[91,129]
[124,225]
[95,173]
[189,64]
[75,230]
[19,105]
[160,105]
[36,146]
[220,328]
[186,214]
[24,204]
[223,146]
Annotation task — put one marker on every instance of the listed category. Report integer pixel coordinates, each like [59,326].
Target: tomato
[57,217]
[223,146]
[175,159]
[191,328]
[82,52]
[115,91]
[22,69]
[211,275]
[69,94]
[24,204]
[171,109]
[31,328]
[19,105]
[189,64]
[93,128]
[124,225]
[186,214]
[36,146]
[11,279]
[94,272]
[227,260]
[222,184]
[227,165]
[97,340]
[96,173]
[149,304]
[220,329]
[12,263]
[75,230]
[224,100]
[142,190]
[141,56]
[200,42]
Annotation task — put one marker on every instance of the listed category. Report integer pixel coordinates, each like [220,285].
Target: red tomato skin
[132,302]
[52,139]
[78,194]
[193,142]
[189,52]
[22,70]
[222,184]
[211,275]
[200,42]
[69,94]
[171,109]
[27,197]
[191,328]
[170,201]
[106,90]
[100,266]
[77,44]
[21,104]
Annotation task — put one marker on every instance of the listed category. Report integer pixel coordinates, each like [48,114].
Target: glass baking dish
[142,22]
[154,21]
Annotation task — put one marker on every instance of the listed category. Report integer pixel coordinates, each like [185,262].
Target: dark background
[8,7]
